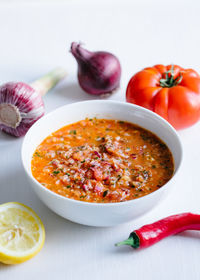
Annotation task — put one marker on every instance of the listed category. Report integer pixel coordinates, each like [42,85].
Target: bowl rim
[100,204]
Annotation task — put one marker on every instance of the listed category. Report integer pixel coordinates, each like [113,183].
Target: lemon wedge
[22,233]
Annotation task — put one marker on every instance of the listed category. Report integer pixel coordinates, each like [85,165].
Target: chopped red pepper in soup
[99,160]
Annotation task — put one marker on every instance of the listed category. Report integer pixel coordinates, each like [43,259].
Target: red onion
[98,72]
[21,105]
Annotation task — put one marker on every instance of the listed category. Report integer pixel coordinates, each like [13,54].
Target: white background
[35,37]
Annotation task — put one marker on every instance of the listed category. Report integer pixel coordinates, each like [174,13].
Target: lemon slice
[22,233]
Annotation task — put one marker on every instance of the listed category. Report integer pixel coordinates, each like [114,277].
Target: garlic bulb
[21,104]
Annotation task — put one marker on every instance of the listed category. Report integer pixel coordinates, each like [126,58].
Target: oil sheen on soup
[102,161]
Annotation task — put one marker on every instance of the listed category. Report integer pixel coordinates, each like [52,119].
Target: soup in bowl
[101,163]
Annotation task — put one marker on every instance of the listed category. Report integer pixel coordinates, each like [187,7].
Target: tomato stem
[169,80]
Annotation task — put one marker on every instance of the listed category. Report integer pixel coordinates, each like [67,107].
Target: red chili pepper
[153,233]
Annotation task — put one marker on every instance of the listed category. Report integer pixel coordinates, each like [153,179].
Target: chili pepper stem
[132,241]
[128,242]
[48,81]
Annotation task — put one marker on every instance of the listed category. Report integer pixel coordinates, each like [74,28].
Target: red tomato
[170,91]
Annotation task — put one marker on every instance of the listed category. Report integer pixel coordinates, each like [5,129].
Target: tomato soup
[100,160]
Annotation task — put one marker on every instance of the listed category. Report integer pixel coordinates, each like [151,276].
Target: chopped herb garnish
[83,161]
[105,193]
[73,132]
[67,174]
[56,172]
[153,166]
[145,174]
[82,196]
[136,185]
[37,154]
[121,122]
[144,137]
[81,147]
[118,177]
[90,119]
[96,158]
[162,145]
[68,186]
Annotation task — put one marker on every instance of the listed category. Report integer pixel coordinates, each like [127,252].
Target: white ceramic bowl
[99,214]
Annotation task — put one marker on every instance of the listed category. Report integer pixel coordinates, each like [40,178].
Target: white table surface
[35,37]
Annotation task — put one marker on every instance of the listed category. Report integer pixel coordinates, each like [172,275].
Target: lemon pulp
[22,233]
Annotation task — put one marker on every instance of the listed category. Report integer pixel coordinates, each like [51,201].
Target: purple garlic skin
[20,107]
[98,72]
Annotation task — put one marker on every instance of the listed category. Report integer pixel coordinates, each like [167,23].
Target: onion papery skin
[28,102]
[98,72]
